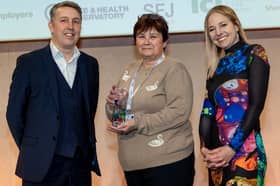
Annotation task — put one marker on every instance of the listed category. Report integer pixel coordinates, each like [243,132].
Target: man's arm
[18,97]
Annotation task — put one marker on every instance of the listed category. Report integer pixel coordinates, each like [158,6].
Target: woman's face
[222,31]
[150,44]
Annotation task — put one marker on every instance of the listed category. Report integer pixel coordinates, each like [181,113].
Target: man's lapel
[82,64]
[49,63]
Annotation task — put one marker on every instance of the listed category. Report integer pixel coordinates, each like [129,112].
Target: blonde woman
[237,82]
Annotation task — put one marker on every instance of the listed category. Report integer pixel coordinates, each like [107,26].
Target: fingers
[114,86]
[110,100]
[221,164]
[222,153]
[215,165]
[115,130]
[216,158]
[123,128]
[120,129]
[204,150]
[116,94]
[216,155]
[112,95]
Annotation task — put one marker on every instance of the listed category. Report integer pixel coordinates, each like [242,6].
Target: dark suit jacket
[33,109]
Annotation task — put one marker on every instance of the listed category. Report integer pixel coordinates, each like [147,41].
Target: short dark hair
[70,4]
[149,21]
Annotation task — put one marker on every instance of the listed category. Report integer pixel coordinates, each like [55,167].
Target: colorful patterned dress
[230,116]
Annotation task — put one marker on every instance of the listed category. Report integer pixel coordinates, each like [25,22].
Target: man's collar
[57,53]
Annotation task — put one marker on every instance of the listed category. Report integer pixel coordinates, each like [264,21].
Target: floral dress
[230,115]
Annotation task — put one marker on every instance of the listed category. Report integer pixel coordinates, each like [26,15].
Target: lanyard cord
[132,91]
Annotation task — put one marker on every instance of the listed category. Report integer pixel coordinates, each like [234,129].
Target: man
[52,104]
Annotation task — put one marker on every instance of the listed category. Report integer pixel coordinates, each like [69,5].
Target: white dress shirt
[68,69]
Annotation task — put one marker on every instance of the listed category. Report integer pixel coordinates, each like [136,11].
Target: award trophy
[119,107]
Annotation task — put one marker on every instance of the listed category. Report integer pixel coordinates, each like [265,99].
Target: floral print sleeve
[258,77]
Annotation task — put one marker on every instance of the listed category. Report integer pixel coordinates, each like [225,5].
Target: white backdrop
[26,20]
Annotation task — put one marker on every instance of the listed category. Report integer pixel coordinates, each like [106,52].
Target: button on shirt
[68,69]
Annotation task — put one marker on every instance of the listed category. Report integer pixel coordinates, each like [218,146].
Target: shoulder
[174,68]
[34,54]
[87,57]
[173,64]
[32,59]
[89,61]
[259,51]
[132,67]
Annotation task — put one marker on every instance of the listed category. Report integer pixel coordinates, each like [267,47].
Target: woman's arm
[257,90]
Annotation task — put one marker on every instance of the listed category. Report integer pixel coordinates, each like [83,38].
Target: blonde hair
[214,53]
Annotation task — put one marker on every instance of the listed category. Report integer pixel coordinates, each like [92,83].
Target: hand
[218,157]
[123,128]
[116,94]
[112,95]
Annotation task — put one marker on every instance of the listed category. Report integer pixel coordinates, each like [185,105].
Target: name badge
[125,76]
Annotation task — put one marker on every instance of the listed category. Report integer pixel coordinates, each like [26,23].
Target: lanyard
[132,91]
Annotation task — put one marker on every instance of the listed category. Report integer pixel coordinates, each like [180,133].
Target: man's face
[65,28]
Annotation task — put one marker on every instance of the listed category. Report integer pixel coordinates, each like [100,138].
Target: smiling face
[222,31]
[65,28]
[150,44]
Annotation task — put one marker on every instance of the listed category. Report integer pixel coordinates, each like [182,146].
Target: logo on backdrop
[113,12]
[203,6]
[97,13]
[164,9]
